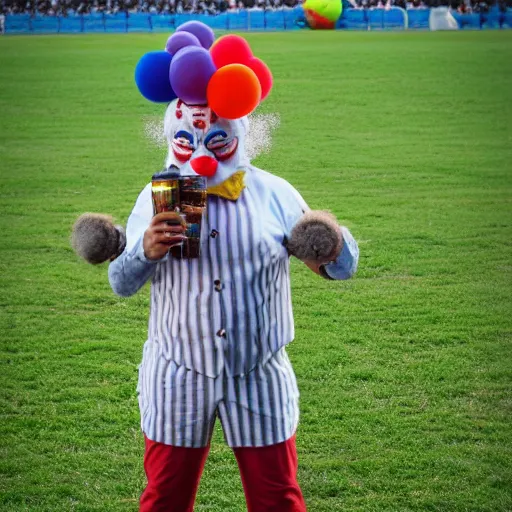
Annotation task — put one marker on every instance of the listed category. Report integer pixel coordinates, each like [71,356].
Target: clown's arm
[325,247]
[342,266]
[345,265]
[148,240]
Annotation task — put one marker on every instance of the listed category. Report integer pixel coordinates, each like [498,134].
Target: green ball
[328,9]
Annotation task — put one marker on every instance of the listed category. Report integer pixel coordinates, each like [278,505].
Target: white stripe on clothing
[190,372]
[182,411]
[250,261]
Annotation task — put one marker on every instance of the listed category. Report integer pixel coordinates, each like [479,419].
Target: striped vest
[230,309]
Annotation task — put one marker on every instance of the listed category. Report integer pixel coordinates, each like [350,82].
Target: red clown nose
[204,166]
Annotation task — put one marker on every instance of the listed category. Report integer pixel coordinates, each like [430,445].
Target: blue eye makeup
[182,134]
[221,135]
[221,145]
[183,145]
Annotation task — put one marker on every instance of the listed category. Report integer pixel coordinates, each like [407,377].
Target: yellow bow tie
[230,188]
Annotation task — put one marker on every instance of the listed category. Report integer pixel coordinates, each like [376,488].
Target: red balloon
[230,49]
[264,75]
[234,91]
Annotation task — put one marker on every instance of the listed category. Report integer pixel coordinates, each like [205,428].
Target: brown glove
[96,239]
[316,238]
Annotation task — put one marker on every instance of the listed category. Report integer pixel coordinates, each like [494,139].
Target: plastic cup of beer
[185,195]
[192,191]
[165,191]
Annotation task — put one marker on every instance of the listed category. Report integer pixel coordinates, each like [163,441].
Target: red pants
[269,477]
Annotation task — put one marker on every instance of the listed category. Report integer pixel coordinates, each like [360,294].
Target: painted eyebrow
[185,135]
[215,134]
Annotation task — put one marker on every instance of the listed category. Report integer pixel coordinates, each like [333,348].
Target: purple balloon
[190,71]
[179,40]
[203,32]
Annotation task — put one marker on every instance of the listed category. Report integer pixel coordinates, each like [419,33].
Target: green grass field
[404,371]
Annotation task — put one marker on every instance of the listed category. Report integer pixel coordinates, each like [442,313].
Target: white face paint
[258,138]
[196,136]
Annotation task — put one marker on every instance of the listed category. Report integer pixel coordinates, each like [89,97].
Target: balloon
[190,72]
[234,91]
[328,9]
[264,75]
[230,49]
[203,32]
[152,77]
[179,40]
[322,14]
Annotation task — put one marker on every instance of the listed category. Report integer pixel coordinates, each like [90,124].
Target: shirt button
[214,233]
[218,285]
[221,333]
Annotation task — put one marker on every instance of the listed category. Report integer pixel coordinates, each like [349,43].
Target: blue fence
[374,19]
[139,22]
[493,19]
[352,19]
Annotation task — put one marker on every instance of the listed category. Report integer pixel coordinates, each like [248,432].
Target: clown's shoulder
[278,194]
[291,207]
[279,187]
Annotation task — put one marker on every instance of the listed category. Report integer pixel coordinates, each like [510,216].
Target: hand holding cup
[165,231]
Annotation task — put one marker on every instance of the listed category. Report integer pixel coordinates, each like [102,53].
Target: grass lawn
[404,371]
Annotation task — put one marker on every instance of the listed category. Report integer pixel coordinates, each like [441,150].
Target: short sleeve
[290,204]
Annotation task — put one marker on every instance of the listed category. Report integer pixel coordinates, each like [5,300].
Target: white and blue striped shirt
[219,323]
[230,309]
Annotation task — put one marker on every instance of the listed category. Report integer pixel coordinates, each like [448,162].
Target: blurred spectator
[461,6]
[213,7]
[70,7]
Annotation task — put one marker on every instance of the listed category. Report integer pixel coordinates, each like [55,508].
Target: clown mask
[200,142]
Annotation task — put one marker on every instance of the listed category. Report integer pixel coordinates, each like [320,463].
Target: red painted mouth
[181,151]
[223,153]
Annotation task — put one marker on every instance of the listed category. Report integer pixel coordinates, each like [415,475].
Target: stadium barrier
[141,22]
[286,19]
[374,19]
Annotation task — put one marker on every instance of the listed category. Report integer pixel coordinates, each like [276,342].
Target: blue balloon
[152,77]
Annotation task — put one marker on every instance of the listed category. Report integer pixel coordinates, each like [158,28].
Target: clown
[219,323]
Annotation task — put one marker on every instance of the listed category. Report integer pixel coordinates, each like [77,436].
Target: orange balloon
[234,91]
